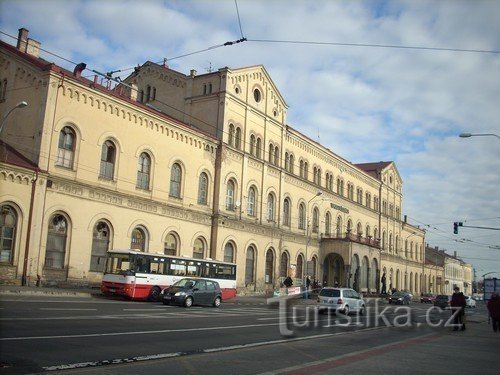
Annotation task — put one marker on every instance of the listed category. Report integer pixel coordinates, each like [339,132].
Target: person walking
[494,311]
[458,302]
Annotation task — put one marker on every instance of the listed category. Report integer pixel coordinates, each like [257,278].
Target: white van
[344,300]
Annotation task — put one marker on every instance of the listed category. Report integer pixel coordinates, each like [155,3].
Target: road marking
[209,350]
[64,309]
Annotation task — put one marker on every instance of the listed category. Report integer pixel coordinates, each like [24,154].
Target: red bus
[138,275]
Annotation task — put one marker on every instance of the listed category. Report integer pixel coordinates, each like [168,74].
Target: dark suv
[442,301]
[190,291]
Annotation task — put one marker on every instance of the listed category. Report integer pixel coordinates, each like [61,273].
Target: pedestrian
[308,282]
[458,304]
[494,311]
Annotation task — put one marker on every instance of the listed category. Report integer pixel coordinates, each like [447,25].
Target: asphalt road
[98,335]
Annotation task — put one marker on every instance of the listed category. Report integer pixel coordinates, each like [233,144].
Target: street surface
[246,336]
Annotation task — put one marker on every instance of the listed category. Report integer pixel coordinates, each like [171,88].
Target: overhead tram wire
[239,20]
[372,45]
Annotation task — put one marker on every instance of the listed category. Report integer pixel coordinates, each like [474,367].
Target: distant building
[198,165]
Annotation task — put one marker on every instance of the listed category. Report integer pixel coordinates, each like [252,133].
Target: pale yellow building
[198,165]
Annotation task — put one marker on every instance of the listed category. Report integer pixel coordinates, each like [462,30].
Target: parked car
[192,291]
[470,302]
[442,301]
[400,298]
[344,300]
[427,298]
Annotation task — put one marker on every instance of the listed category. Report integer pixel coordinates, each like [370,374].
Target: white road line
[209,350]
[138,332]
[64,309]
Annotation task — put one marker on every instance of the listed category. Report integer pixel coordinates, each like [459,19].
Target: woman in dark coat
[458,302]
[494,311]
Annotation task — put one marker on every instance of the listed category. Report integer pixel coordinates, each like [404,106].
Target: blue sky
[364,103]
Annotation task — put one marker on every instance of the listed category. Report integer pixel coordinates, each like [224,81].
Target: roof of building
[10,155]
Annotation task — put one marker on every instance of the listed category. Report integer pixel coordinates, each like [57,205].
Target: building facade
[196,165]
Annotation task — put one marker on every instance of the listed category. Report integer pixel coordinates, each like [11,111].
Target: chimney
[33,48]
[192,73]
[22,39]
[27,45]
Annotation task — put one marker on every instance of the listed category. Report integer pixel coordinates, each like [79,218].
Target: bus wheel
[188,302]
[154,294]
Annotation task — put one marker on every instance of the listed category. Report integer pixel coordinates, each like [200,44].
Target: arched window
[315,223]
[271,152]
[171,244]
[3,90]
[229,252]
[339,227]
[287,161]
[269,267]
[284,264]
[230,189]
[251,201]
[328,224]
[199,249]
[175,181]
[143,171]
[349,226]
[306,170]
[231,135]
[359,229]
[56,242]
[138,239]
[292,161]
[276,156]
[314,267]
[8,228]
[302,216]
[270,207]
[252,145]
[66,148]
[300,266]
[100,245]
[301,169]
[237,139]
[250,266]
[202,188]
[108,154]
[286,212]
[258,149]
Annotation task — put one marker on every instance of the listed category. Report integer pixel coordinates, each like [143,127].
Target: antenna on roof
[165,65]
[209,69]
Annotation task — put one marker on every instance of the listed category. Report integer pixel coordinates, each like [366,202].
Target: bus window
[118,264]
[155,265]
[176,267]
[210,270]
[192,269]
[226,272]
[141,264]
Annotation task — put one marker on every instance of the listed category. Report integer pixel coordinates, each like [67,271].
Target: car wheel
[188,302]
[154,294]
[362,310]
[217,301]
[166,302]
[346,310]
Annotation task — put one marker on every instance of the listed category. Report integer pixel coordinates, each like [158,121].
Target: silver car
[344,300]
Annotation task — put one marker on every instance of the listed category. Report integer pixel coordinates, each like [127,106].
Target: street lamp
[304,270]
[21,104]
[468,135]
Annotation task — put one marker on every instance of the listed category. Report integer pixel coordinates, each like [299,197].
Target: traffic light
[457,224]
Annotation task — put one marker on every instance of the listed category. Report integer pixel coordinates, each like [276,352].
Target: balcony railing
[349,236]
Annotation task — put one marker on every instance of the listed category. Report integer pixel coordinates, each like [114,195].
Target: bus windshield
[120,264]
